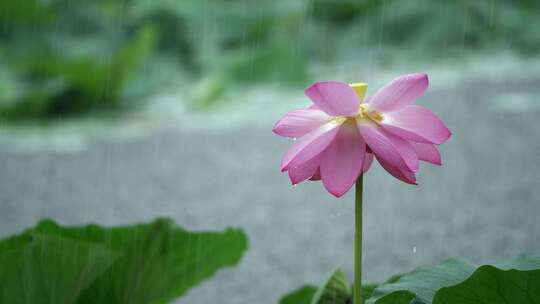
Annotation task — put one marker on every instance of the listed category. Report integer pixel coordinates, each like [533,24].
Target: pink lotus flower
[337,137]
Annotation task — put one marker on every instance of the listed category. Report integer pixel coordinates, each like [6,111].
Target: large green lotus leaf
[41,268]
[507,283]
[145,263]
[516,281]
[422,283]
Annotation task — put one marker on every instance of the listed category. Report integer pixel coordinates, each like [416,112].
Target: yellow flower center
[337,119]
[363,111]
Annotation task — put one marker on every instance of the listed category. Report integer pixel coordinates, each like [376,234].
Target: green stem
[357,292]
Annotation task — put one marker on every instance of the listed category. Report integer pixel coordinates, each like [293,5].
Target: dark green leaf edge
[302,295]
[433,284]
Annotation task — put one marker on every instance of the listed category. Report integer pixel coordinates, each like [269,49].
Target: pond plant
[154,262]
[338,136]
[335,141]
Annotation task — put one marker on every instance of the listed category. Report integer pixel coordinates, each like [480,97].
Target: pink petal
[368,160]
[334,98]
[343,160]
[416,123]
[299,122]
[306,170]
[401,174]
[317,175]
[394,150]
[399,93]
[427,152]
[309,145]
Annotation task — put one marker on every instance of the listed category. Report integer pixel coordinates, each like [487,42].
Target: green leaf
[40,268]
[162,262]
[129,59]
[303,295]
[367,290]
[454,281]
[517,282]
[335,290]
[146,263]
[422,283]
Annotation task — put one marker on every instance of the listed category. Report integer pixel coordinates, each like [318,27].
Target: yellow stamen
[337,119]
[365,112]
[376,116]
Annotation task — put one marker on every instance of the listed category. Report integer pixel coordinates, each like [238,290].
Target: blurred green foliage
[426,29]
[60,57]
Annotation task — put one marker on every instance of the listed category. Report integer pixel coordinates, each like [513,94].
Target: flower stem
[357,289]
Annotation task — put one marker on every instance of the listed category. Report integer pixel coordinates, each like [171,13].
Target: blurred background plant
[59,57]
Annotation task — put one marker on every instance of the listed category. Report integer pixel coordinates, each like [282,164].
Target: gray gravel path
[482,205]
